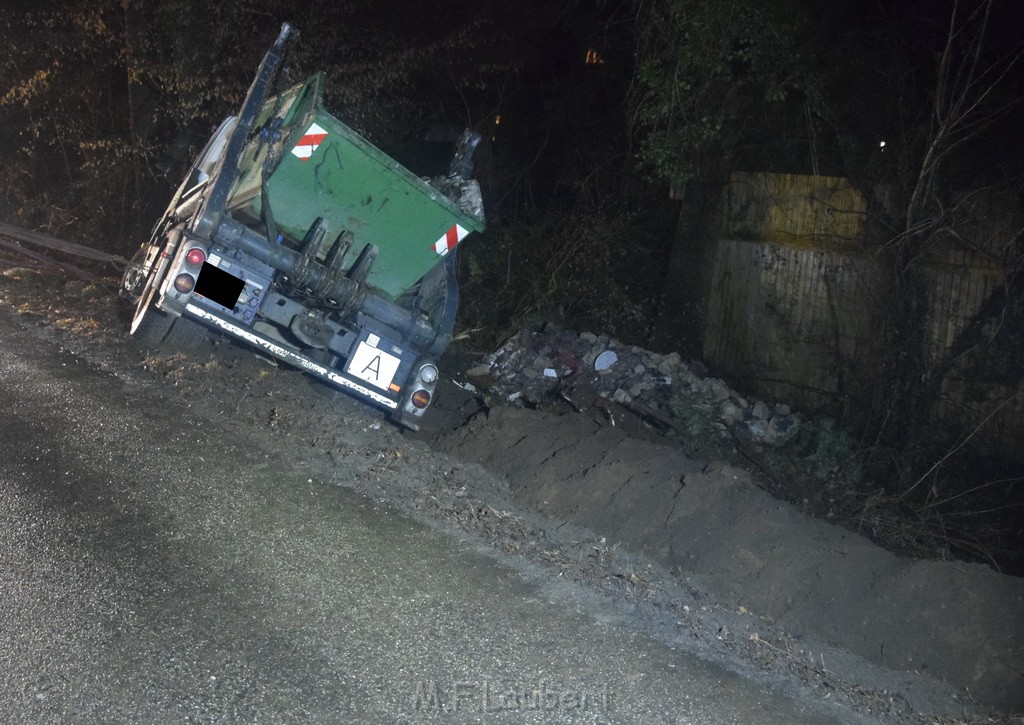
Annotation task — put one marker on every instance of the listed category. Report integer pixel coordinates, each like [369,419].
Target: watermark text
[490,697]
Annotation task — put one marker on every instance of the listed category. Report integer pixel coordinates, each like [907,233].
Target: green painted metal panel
[353,185]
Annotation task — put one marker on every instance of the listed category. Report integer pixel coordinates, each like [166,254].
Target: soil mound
[963,623]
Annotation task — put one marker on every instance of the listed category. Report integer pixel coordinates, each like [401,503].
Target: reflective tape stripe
[289,356]
[451,237]
[306,145]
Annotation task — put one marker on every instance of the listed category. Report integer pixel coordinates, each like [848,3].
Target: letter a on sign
[373,367]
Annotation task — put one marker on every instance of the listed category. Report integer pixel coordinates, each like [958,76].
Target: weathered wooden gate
[797,294]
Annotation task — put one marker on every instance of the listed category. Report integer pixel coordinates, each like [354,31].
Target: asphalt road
[159,566]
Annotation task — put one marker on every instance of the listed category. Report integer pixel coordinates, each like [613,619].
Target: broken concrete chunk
[686,375]
[640,388]
[621,396]
[757,429]
[760,411]
[715,390]
[669,363]
[550,373]
[588,337]
[782,409]
[730,413]
[781,429]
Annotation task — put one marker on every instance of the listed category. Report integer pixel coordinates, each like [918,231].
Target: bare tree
[967,98]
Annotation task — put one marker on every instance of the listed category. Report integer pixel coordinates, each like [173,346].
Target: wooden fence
[797,299]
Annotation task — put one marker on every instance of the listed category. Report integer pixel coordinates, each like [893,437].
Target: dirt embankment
[747,571]
[963,623]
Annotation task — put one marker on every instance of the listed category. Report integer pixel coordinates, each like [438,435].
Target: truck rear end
[297,236]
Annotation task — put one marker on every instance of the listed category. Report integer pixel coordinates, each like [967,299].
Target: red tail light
[421,398]
[195,257]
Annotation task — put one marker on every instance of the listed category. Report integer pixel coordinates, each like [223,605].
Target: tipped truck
[297,236]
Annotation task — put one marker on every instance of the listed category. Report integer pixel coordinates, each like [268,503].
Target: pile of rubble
[537,368]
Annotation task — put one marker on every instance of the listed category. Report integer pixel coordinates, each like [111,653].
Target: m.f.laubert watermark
[485,696]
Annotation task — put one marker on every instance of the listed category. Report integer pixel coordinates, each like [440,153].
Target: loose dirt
[960,622]
[689,550]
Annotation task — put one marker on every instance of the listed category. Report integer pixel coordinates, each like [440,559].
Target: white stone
[605,360]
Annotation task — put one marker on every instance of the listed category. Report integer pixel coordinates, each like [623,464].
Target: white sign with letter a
[373,366]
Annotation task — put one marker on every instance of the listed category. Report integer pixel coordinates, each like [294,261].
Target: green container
[322,168]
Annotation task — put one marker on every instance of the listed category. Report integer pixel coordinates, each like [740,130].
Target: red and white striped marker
[451,237]
[306,145]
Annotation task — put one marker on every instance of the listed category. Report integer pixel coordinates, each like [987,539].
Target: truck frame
[255,244]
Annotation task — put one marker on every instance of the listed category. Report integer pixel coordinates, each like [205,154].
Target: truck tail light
[184,283]
[195,257]
[421,398]
[428,373]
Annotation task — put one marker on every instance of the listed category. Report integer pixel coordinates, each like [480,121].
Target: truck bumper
[303,363]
